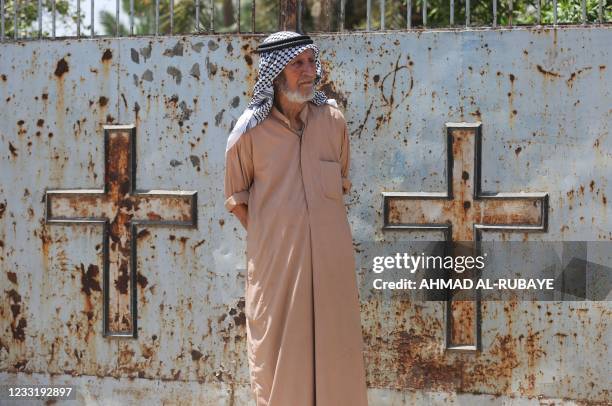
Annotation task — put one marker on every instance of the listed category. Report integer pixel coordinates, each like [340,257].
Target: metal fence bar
[78,18]
[52,18]
[39,13]
[131,17]
[15,25]
[1,20]
[197,16]
[287,18]
[253,15]
[156,17]
[511,12]
[92,19]
[409,14]
[212,15]
[238,13]
[171,17]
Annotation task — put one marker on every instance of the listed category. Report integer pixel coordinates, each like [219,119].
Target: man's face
[296,81]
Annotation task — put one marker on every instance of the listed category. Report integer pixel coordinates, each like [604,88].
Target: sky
[69,28]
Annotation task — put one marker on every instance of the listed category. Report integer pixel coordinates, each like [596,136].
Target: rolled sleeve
[236,199]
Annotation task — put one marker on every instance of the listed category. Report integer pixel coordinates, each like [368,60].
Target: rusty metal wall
[542,95]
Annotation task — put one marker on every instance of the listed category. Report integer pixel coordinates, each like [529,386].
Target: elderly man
[287,164]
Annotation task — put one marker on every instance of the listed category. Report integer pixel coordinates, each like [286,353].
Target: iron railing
[290,16]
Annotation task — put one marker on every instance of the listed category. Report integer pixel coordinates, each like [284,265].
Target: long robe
[304,337]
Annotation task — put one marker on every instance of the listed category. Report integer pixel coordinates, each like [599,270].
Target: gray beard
[295,96]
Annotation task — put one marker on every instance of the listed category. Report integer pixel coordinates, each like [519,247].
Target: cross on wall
[462,213]
[120,208]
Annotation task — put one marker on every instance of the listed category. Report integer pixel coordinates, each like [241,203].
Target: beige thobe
[304,339]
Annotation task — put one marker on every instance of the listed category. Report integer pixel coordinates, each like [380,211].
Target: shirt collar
[303,114]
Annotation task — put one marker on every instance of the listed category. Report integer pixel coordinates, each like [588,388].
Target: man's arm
[242,213]
[239,175]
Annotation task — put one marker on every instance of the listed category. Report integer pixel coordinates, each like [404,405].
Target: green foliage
[184,16]
[27,16]
[524,12]
[571,11]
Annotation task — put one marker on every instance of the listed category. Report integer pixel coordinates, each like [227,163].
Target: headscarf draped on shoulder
[276,51]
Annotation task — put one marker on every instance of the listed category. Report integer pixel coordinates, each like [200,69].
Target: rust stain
[17,326]
[13,149]
[144,233]
[574,75]
[107,55]
[329,88]
[196,355]
[122,281]
[89,279]
[141,280]
[198,244]
[548,73]
[61,68]
[463,319]
[15,302]
[388,99]
[12,276]
[20,365]
[153,216]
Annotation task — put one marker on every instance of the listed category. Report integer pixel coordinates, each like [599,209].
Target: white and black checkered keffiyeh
[270,65]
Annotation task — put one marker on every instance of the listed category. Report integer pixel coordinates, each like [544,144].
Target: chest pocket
[331,179]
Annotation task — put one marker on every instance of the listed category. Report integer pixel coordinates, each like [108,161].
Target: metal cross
[120,209]
[462,213]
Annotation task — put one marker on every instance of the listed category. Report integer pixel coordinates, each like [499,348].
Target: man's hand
[242,212]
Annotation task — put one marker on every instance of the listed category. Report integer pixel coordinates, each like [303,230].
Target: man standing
[287,164]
